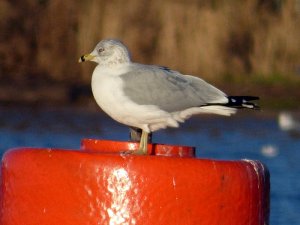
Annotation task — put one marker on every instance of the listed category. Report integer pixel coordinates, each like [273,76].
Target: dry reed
[43,39]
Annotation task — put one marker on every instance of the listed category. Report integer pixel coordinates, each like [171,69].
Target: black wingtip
[243,102]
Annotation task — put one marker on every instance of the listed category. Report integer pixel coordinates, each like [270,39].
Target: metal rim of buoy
[109,146]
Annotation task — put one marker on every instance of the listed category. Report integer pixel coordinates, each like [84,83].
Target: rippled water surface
[252,135]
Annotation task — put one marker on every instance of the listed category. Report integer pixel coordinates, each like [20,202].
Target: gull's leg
[136,133]
[143,148]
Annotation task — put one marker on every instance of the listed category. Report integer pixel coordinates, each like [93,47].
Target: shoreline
[272,97]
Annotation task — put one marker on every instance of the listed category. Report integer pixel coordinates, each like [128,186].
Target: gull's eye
[100,50]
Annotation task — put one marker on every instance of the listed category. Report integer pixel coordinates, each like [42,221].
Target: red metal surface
[107,146]
[53,186]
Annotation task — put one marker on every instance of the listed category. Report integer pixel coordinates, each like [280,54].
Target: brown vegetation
[41,40]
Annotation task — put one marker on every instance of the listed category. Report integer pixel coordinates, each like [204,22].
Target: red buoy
[102,184]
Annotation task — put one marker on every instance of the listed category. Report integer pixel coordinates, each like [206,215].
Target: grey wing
[167,89]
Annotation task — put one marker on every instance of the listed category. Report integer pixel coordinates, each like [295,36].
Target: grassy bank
[278,93]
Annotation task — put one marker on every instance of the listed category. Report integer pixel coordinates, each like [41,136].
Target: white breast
[107,87]
[107,92]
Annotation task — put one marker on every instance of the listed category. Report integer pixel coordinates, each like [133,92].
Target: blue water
[253,135]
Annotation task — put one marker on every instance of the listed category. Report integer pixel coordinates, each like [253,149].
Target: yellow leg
[143,148]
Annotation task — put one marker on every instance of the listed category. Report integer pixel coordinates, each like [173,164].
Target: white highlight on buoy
[119,184]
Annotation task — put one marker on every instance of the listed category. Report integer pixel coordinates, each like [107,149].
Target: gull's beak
[87,57]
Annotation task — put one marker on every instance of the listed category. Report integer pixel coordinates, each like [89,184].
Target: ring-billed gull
[152,97]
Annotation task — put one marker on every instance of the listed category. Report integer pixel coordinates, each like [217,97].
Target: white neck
[112,69]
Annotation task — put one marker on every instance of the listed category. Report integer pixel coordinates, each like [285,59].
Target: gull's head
[108,52]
